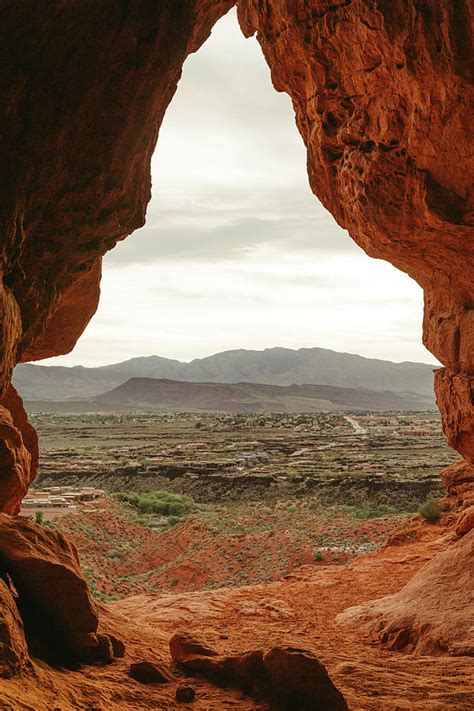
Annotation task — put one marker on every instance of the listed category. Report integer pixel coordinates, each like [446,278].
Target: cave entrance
[237,253]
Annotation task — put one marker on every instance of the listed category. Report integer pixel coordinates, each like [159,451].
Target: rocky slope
[215,546]
[274,366]
[299,611]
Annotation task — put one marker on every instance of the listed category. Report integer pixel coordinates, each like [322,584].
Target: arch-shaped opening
[298,441]
[237,252]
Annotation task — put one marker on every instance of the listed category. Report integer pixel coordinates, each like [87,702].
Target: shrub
[430,510]
[159,502]
[39,517]
[365,511]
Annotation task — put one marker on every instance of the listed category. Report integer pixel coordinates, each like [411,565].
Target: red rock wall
[380,90]
[18,452]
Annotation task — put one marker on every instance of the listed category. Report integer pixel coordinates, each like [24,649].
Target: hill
[173,395]
[272,366]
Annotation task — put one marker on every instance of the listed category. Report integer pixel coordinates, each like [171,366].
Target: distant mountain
[173,395]
[273,366]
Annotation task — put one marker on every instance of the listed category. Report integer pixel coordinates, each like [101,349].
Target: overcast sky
[237,252]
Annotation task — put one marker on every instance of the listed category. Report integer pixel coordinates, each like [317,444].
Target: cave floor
[299,610]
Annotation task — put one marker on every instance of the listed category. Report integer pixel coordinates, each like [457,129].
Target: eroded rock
[465,523]
[59,616]
[13,648]
[150,673]
[433,613]
[18,452]
[458,479]
[287,677]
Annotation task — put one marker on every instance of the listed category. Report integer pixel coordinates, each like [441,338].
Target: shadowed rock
[289,678]
[149,673]
[13,647]
[18,451]
[59,616]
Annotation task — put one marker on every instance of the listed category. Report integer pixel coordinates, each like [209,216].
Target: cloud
[237,252]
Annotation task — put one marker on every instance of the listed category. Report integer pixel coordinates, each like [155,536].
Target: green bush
[365,511]
[159,502]
[430,510]
[39,517]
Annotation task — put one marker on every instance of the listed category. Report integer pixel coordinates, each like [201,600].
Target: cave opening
[235,233]
[364,87]
[237,253]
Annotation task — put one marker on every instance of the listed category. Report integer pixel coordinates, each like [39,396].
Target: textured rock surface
[59,615]
[433,613]
[289,678]
[465,522]
[458,479]
[149,673]
[18,452]
[13,647]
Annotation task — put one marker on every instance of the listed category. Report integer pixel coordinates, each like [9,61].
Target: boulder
[59,615]
[18,452]
[465,522]
[149,673]
[288,678]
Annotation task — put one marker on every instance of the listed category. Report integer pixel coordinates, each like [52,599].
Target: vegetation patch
[159,502]
[430,510]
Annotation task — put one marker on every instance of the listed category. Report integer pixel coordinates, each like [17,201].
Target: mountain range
[272,366]
[177,395]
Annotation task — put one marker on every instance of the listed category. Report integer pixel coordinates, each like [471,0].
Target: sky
[237,252]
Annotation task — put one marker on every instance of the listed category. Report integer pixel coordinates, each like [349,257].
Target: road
[357,427]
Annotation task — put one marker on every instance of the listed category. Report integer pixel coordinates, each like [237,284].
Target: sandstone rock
[299,680]
[289,678]
[381,95]
[458,478]
[433,613]
[13,648]
[103,653]
[18,452]
[365,79]
[149,673]
[118,646]
[185,694]
[454,396]
[465,522]
[59,615]
[184,647]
